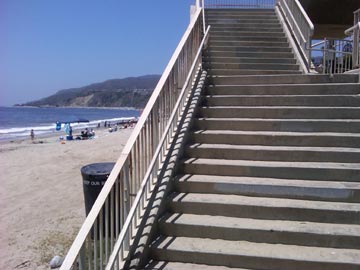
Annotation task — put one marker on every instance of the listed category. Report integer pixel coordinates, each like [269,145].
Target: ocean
[17,122]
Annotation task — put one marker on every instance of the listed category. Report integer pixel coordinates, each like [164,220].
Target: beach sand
[41,195]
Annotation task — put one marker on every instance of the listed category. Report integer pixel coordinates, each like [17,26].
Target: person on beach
[32,135]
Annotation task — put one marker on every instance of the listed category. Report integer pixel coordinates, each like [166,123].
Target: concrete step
[293,125]
[322,171]
[252,43]
[265,38]
[239,34]
[273,153]
[286,89]
[237,72]
[258,231]
[265,208]
[269,187]
[283,112]
[241,16]
[246,66]
[241,20]
[249,49]
[257,27]
[238,12]
[283,79]
[253,255]
[280,55]
[282,100]
[247,60]
[247,28]
[165,265]
[320,139]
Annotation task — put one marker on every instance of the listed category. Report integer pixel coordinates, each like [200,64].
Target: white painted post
[197,4]
[356,52]
[193,10]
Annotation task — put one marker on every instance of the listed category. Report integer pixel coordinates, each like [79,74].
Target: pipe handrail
[295,22]
[300,26]
[307,19]
[317,44]
[149,172]
[349,31]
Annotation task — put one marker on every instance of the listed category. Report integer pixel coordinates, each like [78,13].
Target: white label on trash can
[93,183]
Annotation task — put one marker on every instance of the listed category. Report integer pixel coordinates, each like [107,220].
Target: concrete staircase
[270,178]
[244,42]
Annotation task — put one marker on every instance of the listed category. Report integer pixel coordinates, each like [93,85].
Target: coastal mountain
[126,92]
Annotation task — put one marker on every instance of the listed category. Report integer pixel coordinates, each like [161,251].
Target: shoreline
[51,134]
[75,107]
[41,196]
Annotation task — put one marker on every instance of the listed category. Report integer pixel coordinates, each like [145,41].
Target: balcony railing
[332,56]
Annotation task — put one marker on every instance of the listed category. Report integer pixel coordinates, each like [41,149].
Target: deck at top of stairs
[270,175]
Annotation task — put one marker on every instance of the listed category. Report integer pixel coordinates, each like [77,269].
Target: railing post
[197,4]
[324,57]
[82,256]
[355,56]
[203,15]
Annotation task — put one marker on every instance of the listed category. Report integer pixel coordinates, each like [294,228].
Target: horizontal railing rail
[300,24]
[116,259]
[103,226]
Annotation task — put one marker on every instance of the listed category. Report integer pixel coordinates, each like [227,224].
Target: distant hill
[127,92]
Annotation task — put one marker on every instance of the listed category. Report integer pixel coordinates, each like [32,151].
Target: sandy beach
[41,196]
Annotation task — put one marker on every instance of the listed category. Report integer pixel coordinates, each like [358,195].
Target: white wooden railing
[331,56]
[300,25]
[108,229]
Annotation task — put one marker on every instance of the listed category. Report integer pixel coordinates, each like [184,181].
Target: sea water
[17,122]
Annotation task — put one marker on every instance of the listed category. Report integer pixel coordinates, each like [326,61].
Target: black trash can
[94,177]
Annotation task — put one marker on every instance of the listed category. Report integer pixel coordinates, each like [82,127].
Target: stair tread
[277,77]
[265,202]
[284,96]
[284,120]
[274,148]
[276,164]
[245,180]
[258,71]
[244,248]
[247,58]
[251,64]
[267,225]
[164,265]
[283,107]
[299,120]
[248,46]
[281,84]
[275,133]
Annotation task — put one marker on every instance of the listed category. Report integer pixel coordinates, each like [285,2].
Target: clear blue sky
[48,45]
